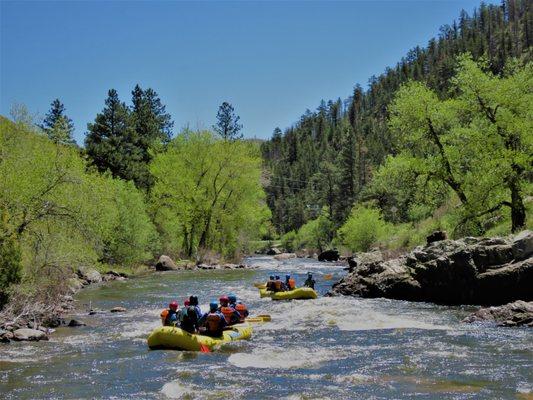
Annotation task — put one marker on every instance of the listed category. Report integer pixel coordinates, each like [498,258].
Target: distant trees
[121,139]
[330,156]
[57,125]
[227,125]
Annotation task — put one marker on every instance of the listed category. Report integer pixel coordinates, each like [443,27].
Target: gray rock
[165,263]
[118,309]
[26,334]
[89,275]
[523,245]
[517,313]
[482,271]
[75,322]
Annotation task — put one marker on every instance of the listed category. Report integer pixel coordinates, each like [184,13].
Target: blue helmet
[287,276]
[277,276]
[213,305]
[271,277]
[232,298]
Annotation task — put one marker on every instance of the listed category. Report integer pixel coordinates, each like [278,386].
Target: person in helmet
[270,283]
[310,282]
[193,301]
[169,316]
[290,283]
[231,315]
[241,308]
[278,284]
[213,322]
[188,317]
[232,300]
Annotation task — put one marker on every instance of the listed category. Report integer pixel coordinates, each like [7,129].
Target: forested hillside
[330,159]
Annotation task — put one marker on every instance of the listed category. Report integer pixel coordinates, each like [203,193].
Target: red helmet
[224,299]
[186,303]
[173,305]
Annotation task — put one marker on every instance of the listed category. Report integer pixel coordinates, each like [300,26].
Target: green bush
[288,241]
[363,229]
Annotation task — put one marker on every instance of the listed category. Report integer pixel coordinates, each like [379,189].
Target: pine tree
[57,125]
[151,121]
[227,124]
[113,144]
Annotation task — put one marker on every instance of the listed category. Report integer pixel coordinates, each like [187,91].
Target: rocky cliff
[487,271]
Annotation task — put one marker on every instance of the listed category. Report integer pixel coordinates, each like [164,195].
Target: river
[329,348]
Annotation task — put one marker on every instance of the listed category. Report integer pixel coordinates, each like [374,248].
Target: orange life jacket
[212,322]
[228,313]
[243,311]
[292,284]
[278,286]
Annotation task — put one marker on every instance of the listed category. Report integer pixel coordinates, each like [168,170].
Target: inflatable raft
[169,337]
[301,293]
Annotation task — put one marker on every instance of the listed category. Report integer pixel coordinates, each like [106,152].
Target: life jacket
[189,319]
[243,311]
[167,315]
[292,284]
[278,286]
[212,323]
[228,313]
[270,285]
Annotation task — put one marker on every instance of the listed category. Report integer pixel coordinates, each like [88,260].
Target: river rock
[118,309]
[25,334]
[284,256]
[74,322]
[329,255]
[518,313]
[273,251]
[486,271]
[165,263]
[89,275]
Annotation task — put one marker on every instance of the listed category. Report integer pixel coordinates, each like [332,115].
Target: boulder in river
[487,271]
[165,263]
[329,255]
[25,334]
[284,256]
[518,313]
[74,323]
[118,309]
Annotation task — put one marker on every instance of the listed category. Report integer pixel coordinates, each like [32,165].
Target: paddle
[328,276]
[259,318]
[259,285]
[204,348]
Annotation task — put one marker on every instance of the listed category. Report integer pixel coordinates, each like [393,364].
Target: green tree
[227,125]
[58,126]
[113,144]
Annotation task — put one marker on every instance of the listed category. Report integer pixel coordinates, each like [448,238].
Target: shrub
[363,229]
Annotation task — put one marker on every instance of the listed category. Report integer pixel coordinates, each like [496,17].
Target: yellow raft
[301,293]
[169,337]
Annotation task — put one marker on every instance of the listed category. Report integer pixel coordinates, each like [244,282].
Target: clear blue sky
[271,60]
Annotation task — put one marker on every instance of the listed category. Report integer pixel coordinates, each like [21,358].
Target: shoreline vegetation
[442,141]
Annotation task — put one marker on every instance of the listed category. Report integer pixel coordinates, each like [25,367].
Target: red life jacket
[212,322]
[243,311]
[228,313]
[292,284]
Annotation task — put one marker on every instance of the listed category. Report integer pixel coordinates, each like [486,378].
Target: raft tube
[301,293]
[169,337]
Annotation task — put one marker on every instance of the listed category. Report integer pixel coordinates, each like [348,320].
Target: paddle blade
[259,285]
[328,276]
[204,348]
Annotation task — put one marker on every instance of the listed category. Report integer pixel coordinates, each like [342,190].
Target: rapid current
[329,348]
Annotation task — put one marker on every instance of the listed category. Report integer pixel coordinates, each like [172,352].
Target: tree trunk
[518,210]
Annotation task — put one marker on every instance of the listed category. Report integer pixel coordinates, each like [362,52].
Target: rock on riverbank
[486,271]
[518,313]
